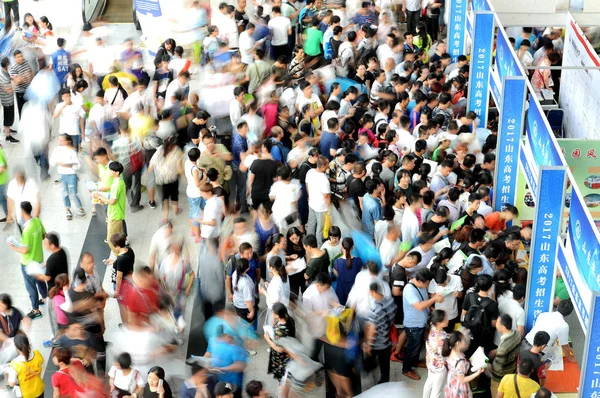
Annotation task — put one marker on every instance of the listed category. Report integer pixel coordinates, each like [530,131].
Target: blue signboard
[148,7]
[528,171]
[590,376]
[574,290]
[457,27]
[586,248]
[481,65]
[541,138]
[544,244]
[507,63]
[481,5]
[510,131]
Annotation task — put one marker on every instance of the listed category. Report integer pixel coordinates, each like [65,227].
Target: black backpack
[476,319]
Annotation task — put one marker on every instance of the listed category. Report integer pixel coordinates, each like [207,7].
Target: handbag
[136,159]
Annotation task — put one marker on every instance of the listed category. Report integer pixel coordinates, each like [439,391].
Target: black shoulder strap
[517,387]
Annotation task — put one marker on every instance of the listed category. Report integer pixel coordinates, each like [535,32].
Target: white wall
[525,6]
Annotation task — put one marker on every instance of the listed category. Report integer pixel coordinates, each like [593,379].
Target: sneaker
[12,140]
[412,375]
[57,181]
[3,219]
[81,213]
[251,353]
[152,204]
[135,209]
[47,343]
[34,315]
[69,215]
[106,241]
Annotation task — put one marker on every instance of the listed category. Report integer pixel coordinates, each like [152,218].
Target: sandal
[69,215]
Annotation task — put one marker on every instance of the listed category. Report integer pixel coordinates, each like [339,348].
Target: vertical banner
[540,136]
[589,385]
[510,130]
[481,65]
[583,237]
[481,5]
[544,243]
[457,27]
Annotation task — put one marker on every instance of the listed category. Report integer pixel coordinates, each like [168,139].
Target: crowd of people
[351,188]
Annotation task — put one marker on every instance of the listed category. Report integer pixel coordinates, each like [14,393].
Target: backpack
[476,318]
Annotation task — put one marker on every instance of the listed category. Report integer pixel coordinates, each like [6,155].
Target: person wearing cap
[226,390]
[444,140]
[555,325]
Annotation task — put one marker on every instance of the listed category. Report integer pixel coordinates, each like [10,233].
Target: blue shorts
[195,209]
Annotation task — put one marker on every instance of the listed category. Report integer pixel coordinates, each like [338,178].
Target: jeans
[383,358]
[316,220]
[3,201]
[32,286]
[412,349]
[76,141]
[133,183]
[42,160]
[435,384]
[237,188]
[412,19]
[69,188]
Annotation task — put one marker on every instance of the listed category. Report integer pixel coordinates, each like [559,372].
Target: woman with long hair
[30,28]
[502,287]
[243,291]
[295,250]
[469,273]
[284,327]
[275,247]
[346,268]
[154,388]
[166,48]
[264,226]
[25,371]
[436,364]
[57,295]
[441,259]
[278,290]
[166,163]
[77,73]
[422,39]
[457,384]
[45,27]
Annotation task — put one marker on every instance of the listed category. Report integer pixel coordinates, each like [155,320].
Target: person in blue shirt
[200,378]
[239,148]
[61,61]
[227,357]
[278,151]
[365,15]
[371,204]
[330,142]
[416,304]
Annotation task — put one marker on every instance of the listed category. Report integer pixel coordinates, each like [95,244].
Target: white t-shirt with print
[213,210]
[317,185]
[449,305]
[127,382]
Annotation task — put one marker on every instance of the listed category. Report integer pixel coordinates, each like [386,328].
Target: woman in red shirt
[62,381]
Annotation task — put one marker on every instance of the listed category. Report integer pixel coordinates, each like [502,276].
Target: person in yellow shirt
[140,123]
[518,385]
[25,370]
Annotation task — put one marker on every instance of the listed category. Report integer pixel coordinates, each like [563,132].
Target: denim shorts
[195,207]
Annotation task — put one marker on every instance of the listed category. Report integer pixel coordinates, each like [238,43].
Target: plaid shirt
[336,171]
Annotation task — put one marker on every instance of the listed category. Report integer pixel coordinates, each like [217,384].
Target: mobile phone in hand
[160,383]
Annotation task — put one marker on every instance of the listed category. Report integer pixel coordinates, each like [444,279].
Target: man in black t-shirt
[540,341]
[196,125]
[399,279]
[241,18]
[56,263]
[355,186]
[481,335]
[264,171]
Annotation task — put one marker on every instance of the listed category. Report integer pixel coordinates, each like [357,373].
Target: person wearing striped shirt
[377,89]
[7,100]
[21,75]
[380,320]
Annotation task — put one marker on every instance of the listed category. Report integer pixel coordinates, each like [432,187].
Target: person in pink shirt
[57,295]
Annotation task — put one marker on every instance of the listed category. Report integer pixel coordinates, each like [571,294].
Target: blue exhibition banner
[530,174]
[590,376]
[541,138]
[481,65]
[575,287]
[457,28]
[148,7]
[510,130]
[544,243]
[586,249]
[506,64]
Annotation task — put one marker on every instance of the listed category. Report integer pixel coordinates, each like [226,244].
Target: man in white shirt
[410,222]
[318,299]
[512,306]
[247,44]
[319,198]
[359,297]
[228,29]
[21,189]
[212,215]
[281,29]
[102,61]
[555,325]
[412,9]
[236,107]
[70,118]
[484,209]
[179,84]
